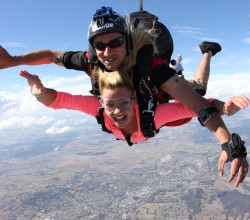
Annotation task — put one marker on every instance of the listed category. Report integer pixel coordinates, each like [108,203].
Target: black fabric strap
[100,120]
[235,147]
[143,59]
[128,141]
[210,110]
[145,94]
[147,124]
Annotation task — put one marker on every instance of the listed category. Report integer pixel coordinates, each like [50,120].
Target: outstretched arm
[42,94]
[51,98]
[36,57]
[180,90]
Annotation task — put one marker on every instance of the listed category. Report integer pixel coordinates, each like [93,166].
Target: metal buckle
[148,111]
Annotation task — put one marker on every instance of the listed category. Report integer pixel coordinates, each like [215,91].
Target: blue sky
[62,25]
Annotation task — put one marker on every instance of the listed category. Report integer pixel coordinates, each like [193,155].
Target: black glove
[235,147]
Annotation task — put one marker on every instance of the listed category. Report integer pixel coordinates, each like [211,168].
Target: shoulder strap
[146,91]
[100,120]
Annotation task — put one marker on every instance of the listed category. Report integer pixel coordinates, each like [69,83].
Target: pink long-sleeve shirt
[164,113]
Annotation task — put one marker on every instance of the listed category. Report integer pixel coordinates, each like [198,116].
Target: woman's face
[118,105]
[110,49]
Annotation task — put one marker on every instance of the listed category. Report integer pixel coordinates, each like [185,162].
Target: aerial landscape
[170,177]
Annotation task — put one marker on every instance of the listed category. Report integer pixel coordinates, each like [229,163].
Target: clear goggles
[123,103]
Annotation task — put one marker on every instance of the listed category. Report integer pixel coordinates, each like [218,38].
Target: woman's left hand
[234,104]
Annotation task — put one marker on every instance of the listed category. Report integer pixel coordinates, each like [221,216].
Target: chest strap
[100,120]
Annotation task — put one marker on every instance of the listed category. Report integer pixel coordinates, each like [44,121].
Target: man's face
[110,49]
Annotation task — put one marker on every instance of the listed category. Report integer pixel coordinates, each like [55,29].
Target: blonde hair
[115,79]
[139,39]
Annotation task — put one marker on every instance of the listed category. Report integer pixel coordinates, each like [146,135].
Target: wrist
[40,94]
[224,111]
[234,147]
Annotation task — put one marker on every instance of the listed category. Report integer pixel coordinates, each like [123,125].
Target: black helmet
[106,20]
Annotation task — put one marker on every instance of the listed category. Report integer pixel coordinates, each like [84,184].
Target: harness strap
[146,91]
[100,120]
[147,124]
[128,141]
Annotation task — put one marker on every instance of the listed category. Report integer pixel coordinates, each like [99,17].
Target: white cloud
[56,148]
[44,120]
[167,158]
[223,86]
[196,33]
[59,81]
[58,130]
[188,31]
[79,84]
[23,122]
[7,103]
[83,120]
[19,104]
[246,40]
[19,109]
[60,123]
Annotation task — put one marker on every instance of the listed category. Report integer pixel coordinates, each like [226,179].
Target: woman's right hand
[44,95]
[35,84]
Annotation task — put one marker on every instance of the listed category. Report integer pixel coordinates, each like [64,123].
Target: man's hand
[238,166]
[6,60]
[36,57]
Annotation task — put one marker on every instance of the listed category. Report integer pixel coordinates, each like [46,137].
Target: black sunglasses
[117,42]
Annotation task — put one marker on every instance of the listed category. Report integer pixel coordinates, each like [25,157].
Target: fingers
[241,176]
[245,169]
[234,169]
[30,77]
[234,104]
[25,74]
[239,166]
[240,101]
[222,160]
[35,84]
